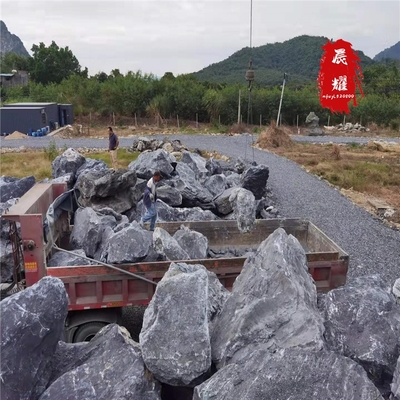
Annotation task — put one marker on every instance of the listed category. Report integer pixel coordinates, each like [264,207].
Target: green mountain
[298,57]
[392,53]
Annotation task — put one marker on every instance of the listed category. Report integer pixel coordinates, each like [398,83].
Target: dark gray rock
[88,230]
[197,164]
[179,304]
[148,162]
[222,202]
[167,246]
[255,179]
[194,243]
[101,251]
[167,213]
[273,303]
[110,366]
[69,179]
[194,194]
[12,188]
[169,195]
[312,122]
[67,162]
[5,223]
[91,164]
[395,386]
[216,184]
[32,323]
[60,259]
[6,261]
[213,166]
[292,373]
[362,322]
[129,245]
[107,188]
[233,180]
[244,208]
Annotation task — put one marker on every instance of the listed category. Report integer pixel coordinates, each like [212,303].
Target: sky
[183,36]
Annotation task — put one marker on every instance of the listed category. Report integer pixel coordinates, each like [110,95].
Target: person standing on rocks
[149,200]
[113,143]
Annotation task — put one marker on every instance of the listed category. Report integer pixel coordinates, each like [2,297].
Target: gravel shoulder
[372,246]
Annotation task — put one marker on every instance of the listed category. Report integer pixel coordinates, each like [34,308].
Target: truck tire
[86,332]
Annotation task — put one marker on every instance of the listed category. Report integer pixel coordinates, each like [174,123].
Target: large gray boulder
[32,323]
[168,214]
[91,164]
[216,184]
[194,194]
[110,366]
[273,303]
[244,208]
[107,188]
[175,337]
[362,322]
[88,230]
[194,243]
[67,162]
[12,188]
[395,386]
[169,195]
[312,122]
[60,259]
[223,204]
[291,373]
[167,246]
[197,163]
[148,162]
[255,179]
[129,245]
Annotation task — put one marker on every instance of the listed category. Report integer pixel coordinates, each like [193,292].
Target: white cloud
[187,35]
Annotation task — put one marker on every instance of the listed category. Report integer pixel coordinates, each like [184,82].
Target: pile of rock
[348,127]
[144,143]
[193,189]
[265,339]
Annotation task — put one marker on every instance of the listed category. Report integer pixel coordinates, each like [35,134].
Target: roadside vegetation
[38,162]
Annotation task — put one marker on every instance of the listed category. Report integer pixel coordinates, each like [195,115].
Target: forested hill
[299,57]
[390,53]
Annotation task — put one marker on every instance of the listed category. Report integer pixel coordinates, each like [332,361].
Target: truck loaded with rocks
[231,290]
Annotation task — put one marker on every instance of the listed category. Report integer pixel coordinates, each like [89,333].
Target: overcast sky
[184,36]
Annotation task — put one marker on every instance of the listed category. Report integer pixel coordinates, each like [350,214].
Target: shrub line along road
[372,246]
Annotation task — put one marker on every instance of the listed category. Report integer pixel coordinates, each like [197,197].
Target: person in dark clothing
[113,143]
[149,200]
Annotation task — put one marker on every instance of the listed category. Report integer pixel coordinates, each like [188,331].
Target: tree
[11,61]
[52,64]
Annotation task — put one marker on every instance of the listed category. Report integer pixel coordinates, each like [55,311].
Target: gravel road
[372,246]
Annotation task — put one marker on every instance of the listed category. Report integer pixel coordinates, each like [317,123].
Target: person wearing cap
[149,200]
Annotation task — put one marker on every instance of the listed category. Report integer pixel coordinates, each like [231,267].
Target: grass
[38,163]
[365,170]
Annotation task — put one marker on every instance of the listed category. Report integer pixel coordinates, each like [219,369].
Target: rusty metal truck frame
[96,293]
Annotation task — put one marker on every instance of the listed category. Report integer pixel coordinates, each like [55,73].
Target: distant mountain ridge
[11,43]
[299,57]
[392,52]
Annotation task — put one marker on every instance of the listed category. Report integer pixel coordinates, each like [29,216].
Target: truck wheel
[86,332]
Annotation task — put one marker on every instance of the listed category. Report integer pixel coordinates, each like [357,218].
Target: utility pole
[239,110]
[280,103]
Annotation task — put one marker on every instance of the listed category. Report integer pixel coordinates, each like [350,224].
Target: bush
[51,151]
